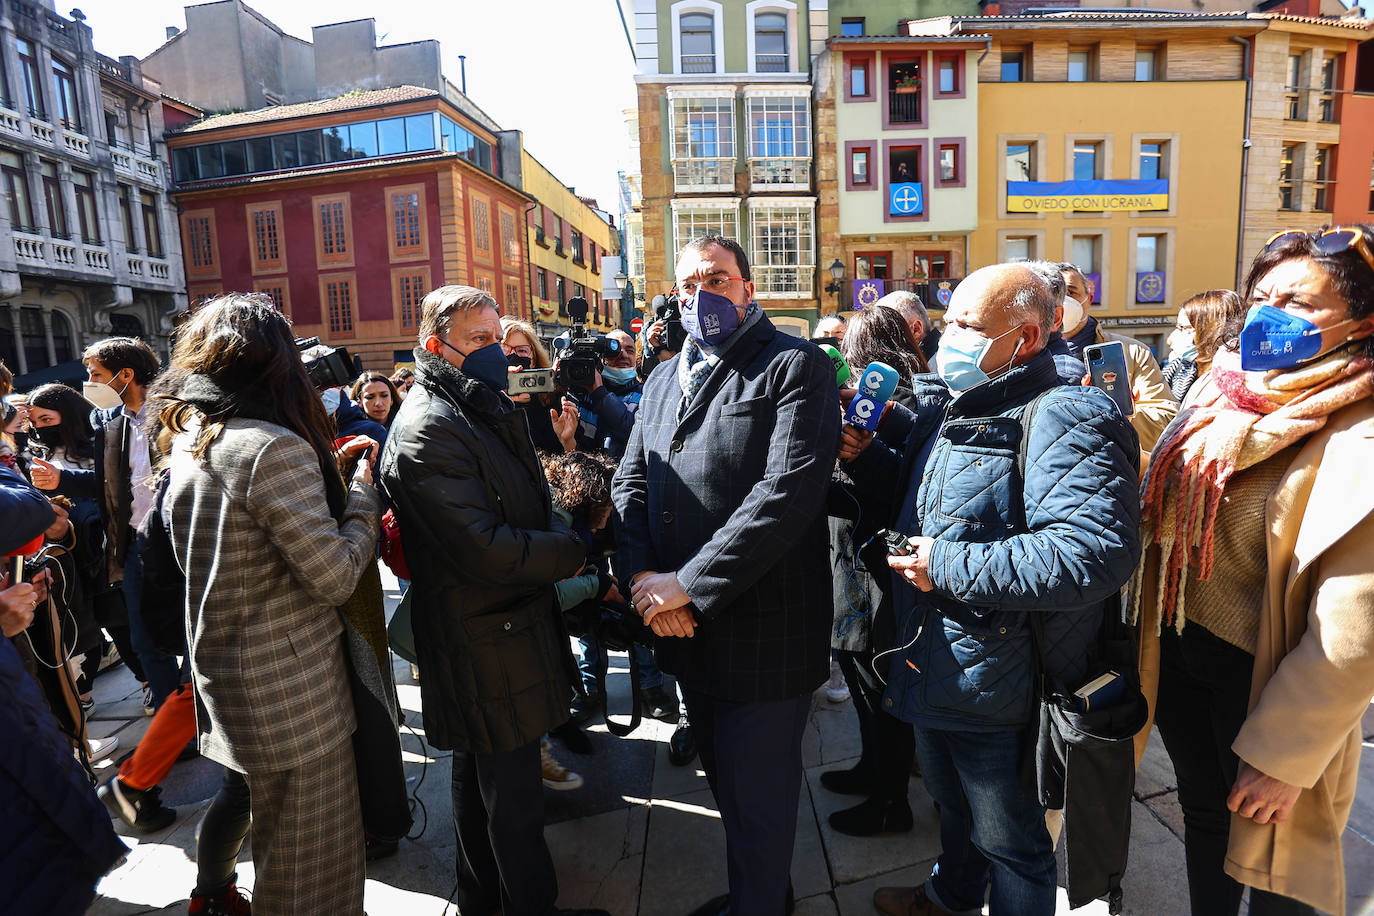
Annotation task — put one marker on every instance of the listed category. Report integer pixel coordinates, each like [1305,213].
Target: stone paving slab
[856,858]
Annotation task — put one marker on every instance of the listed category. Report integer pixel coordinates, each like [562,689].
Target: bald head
[1019,291]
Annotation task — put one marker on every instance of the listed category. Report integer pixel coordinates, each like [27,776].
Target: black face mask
[523,362]
[48,436]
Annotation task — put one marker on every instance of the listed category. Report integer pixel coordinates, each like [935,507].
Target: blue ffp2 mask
[1275,339]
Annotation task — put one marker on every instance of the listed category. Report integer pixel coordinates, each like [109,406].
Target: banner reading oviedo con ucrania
[1052,196]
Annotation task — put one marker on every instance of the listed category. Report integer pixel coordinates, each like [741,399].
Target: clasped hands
[661,600]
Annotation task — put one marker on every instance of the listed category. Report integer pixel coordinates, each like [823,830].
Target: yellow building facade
[567,239]
[1098,98]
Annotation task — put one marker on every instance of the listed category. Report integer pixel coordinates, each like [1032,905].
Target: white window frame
[717,13]
[799,98]
[798,211]
[698,211]
[728,150]
[788,9]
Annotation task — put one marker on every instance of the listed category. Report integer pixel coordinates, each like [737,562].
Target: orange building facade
[348,211]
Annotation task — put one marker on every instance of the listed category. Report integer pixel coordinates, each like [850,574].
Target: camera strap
[615,728]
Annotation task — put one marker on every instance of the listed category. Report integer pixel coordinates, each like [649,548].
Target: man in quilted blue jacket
[998,532]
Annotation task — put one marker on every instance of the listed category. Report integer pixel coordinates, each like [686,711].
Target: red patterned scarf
[1238,420]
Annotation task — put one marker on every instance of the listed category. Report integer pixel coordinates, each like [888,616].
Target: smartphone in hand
[1108,371]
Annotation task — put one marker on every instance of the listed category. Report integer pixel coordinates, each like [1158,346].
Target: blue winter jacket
[1060,544]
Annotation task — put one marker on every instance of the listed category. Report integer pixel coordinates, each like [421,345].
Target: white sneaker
[836,690]
[100,748]
[556,776]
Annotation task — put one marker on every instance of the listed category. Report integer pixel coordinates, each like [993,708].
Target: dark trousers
[888,743]
[1204,695]
[221,833]
[993,840]
[751,753]
[160,667]
[504,865]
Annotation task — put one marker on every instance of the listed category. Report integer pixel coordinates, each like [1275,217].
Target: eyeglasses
[716,284]
[1331,242]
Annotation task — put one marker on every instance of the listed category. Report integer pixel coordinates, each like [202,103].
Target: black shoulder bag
[1084,761]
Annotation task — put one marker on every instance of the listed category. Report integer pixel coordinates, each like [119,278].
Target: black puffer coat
[484,552]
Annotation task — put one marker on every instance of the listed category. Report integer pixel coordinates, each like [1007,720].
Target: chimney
[172,32]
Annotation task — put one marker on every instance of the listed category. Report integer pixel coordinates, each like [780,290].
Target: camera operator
[332,372]
[608,410]
[484,553]
[662,339]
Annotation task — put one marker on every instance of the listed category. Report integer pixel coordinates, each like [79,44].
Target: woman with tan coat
[1256,588]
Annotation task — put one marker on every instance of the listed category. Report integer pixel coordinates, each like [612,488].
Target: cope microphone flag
[876,385]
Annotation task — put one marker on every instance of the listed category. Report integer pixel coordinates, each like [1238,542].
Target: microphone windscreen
[876,384]
[841,367]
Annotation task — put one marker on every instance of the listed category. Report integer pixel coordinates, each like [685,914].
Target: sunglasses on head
[1332,241]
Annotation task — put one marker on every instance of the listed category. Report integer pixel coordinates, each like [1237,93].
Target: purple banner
[1095,281]
[1149,286]
[867,292]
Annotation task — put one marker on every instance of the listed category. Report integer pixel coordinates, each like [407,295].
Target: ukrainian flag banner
[1093,196]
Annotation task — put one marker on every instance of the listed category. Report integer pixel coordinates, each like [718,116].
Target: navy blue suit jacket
[733,500]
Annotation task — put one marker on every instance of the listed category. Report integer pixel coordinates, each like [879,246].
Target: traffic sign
[636,325]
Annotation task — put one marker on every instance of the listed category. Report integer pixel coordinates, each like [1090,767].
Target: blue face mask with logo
[487,365]
[617,376]
[1275,339]
[709,318]
[961,355]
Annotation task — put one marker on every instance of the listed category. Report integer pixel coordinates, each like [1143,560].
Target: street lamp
[837,279]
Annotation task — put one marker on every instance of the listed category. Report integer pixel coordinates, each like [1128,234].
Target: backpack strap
[1037,623]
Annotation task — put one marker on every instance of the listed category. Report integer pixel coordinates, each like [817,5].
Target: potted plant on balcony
[908,85]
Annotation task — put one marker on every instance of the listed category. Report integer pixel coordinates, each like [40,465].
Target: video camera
[328,367]
[669,309]
[581,352]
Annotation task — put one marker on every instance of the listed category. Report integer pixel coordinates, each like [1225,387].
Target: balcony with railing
[783,282]
[695,175]
[779,173]
[770,63]
[904,107]
[698,63]
[10,122]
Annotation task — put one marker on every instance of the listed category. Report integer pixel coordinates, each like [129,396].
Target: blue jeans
[159,667]
[588,650]
[990,830]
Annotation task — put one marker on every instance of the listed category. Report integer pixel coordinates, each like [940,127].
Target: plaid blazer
[733,499]
[266,568]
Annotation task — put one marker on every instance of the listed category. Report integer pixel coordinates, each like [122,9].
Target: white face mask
[102,395]
[331,397]
[1074,316]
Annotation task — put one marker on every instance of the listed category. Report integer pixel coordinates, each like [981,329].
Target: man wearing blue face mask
[722,534]
[484,551]
[990,544]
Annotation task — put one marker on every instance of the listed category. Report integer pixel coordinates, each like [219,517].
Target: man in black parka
[484,553]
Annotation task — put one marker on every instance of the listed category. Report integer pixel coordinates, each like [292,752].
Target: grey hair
[1034,302]
[1052,273]
[1065,267]
[439,307]
[908,303]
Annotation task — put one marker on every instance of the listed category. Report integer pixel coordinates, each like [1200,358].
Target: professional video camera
[580,351]
[328,367]
[669,308]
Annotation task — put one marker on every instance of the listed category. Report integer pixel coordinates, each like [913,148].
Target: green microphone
[841,367]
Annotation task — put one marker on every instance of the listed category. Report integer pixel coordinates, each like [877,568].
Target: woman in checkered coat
[272,544]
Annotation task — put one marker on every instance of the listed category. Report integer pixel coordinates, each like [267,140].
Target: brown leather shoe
[906,901]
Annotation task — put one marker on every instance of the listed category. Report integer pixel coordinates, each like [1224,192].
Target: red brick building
[348,211]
